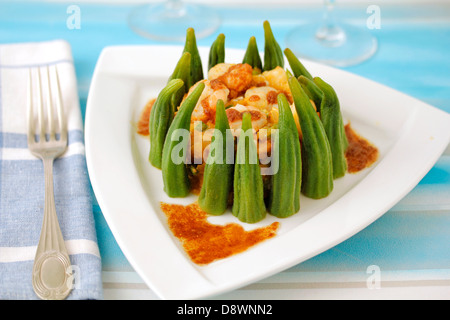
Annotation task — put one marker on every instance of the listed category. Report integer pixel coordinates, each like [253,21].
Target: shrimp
[236,77]
[234,115]
[276,78]
[219,70]
[263,98]
[205,110]
[200,141]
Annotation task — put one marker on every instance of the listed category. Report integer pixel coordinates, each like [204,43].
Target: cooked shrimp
[205,110]
[219,70]
[261,97]
[234,114]
[276,79]
[236,77]
[200,140]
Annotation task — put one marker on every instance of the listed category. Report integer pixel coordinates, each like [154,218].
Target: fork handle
[52,269]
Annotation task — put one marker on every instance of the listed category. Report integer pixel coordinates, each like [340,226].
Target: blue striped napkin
[22,178]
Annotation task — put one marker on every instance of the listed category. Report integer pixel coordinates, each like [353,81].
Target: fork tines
[50,127]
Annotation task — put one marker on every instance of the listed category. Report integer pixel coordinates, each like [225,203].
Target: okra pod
[297,67]
[196,62]
[181,71]
[217,51]
[284,196]
[330,114]
[312,90]
[317,167]
[161,117]
[248,200]
[218,174]
[174,170]
[252,56]
[273,56]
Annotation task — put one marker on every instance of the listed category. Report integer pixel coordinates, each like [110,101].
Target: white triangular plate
[409,134]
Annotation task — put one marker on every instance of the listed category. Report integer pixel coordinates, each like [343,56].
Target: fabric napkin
[22,177]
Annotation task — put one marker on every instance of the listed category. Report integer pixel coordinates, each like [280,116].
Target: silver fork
[52,269]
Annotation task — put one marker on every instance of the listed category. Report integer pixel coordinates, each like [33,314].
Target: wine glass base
[347,46]
[169,22]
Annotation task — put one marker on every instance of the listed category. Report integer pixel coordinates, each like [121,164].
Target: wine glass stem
[330,34]
[328,14]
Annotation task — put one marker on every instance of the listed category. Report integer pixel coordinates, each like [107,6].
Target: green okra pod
[196,62]
[161,117]
[248,200]
[297,67]
[284,196]
[174,170]
[317,167]
[312,90]
[217,51]
[181,71]
[330,114]
[218,174]
[252,56]
[273,56]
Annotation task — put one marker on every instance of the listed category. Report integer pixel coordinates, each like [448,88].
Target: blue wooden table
[409,245]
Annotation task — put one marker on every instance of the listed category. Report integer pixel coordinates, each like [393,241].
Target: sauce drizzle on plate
[205,242]
[360,153]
